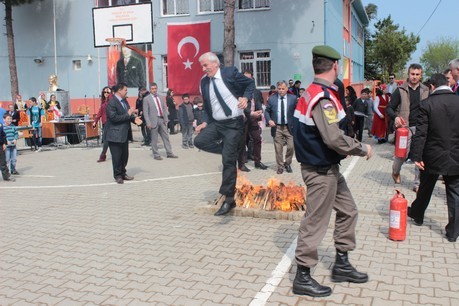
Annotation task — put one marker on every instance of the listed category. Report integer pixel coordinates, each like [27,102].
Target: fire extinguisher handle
[399,194]
[402,121]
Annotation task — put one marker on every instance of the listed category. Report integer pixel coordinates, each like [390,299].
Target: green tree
[10,41]
[438,53]
[390,48]
[371,65]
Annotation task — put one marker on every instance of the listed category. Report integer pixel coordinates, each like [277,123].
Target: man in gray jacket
[155,114]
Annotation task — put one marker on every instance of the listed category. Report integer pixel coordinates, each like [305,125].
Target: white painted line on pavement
[111,183]
[283,266]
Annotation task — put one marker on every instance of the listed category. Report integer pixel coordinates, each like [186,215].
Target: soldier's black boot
[304,284]
[343,271]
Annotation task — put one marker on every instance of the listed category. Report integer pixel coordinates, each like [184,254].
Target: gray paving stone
[92,242]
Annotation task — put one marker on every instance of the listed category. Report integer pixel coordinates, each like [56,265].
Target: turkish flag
[186,42]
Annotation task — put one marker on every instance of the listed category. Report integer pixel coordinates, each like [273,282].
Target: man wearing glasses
[392,84]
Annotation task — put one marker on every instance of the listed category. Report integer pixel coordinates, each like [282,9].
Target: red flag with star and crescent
[186,42]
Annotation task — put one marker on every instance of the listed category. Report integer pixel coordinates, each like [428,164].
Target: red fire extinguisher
[397,217]
[401,140]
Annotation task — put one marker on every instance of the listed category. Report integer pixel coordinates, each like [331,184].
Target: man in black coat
[119,118]
[14,115]
[435,151]
[253,129]
[226,93]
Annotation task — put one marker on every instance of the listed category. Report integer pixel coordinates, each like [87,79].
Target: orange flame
[275,196]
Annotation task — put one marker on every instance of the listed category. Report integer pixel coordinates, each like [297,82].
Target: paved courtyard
[69,235]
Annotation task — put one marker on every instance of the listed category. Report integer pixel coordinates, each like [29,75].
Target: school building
[272,37]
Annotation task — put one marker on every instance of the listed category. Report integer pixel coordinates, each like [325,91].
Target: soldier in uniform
[320,145]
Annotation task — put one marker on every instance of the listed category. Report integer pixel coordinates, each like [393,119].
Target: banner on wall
[186,42]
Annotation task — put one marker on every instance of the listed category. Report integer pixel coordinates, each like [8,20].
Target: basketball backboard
[131,22]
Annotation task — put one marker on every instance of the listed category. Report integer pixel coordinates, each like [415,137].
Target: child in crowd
[349,129]
[199,114]
[35,114]
[12,137]
[4,168]
[186,118]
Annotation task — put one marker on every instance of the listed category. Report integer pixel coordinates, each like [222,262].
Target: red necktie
[158,105]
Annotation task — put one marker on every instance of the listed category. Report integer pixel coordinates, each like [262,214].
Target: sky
[413,14]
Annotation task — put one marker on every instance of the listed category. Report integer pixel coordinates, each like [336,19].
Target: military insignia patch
[331,113]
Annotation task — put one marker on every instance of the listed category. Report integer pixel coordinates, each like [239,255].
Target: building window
[76,64]
[357,30]
[207,6]
[259,62]
[175,7]
[253,4]
[104,3]
[164,65]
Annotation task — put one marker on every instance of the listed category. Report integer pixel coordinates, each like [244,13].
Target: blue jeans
[36,137]
[10,156]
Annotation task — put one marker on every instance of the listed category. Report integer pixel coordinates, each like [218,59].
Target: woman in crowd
[379,128]
[350,92]
[172,110]
[102,115]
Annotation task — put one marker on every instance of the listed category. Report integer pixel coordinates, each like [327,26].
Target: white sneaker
[39,150]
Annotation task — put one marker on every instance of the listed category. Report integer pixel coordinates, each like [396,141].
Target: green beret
[327,52]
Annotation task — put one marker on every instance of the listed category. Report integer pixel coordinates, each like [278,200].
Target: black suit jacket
[271,111]
[258,101]
[237,83]
[118,121]
[15,116]
[437,133]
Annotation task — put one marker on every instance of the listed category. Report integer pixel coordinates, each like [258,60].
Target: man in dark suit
[119,118]
[226,93]
[279,116]
[129,70]
[435,152]
[253,129]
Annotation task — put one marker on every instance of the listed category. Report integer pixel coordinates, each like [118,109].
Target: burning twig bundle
[275,196]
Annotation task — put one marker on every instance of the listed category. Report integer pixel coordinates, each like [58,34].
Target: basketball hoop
[115,42]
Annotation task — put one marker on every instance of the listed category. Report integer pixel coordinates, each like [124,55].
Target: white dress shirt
[279,117]
[230,100]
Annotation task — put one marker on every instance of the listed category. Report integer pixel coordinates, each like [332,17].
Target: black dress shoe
[128,178]
[244,168]
[450,239]
[304,284]
[280,170]
[417,222]
[225,208]
[288,168]
[119,180]
[261,166]
[172,156]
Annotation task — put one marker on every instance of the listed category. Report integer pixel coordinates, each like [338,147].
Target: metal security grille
[176,7]
[253,4]
[210,6]
[259,62]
